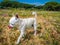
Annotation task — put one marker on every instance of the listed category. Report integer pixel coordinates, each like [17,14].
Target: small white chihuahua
[23,24]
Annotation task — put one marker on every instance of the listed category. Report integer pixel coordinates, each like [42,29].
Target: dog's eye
[12,24]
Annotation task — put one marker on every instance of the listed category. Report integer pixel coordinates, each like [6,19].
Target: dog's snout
[10,27]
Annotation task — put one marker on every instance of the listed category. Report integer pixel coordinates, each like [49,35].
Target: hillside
[50,6]
[14,4]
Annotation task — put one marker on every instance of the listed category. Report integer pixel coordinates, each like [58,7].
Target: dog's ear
[16,16]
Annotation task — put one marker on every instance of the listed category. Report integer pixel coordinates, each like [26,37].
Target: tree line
[51,6]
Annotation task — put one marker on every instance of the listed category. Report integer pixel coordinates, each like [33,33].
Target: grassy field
[48,28]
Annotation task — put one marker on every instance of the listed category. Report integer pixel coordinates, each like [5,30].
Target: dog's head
[13,21]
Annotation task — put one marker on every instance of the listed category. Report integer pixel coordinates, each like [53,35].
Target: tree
[39,7]
[50,5]
[14,4]
[57,8]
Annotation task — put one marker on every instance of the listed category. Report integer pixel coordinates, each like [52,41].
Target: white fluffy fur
[23,24]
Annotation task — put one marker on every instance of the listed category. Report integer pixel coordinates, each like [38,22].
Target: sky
[36,2]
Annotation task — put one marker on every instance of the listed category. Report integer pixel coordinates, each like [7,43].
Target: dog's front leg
[35,27]
[35,31]
[21,35]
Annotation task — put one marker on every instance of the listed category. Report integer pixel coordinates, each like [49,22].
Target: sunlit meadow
[48,28]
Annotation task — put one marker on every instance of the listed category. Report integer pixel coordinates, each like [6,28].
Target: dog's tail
[34,13]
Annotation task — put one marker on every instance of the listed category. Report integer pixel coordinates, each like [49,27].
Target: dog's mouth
[10,27]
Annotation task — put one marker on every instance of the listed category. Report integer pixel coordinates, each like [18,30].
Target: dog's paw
[16,43]
[34,34]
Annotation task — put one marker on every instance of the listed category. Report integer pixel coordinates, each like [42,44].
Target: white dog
[23,24]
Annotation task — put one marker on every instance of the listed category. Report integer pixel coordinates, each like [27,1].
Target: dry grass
[48,28]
